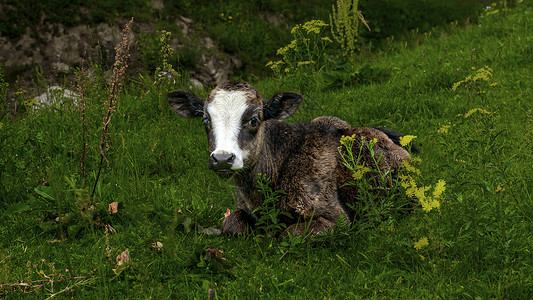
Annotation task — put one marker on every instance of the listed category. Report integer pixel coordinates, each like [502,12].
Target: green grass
[479,242]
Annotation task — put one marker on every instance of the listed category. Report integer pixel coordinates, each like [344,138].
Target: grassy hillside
[465,94]
[250,31]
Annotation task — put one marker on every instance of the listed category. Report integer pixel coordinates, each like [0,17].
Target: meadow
[75,195]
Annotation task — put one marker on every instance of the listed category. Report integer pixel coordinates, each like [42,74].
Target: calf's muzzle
[221,162]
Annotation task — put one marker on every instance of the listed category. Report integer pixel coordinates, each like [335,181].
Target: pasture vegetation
[146,226]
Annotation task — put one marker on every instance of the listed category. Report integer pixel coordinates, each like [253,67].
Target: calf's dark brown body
[302,159]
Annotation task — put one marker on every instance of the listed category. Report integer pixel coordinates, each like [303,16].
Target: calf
[247,138]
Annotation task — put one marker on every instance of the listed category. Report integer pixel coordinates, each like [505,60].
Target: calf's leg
[316,226]
[237,222]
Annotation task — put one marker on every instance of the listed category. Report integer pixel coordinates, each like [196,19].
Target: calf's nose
[222,161]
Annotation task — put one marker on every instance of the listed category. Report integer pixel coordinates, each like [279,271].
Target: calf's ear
[186,104]
[281,106]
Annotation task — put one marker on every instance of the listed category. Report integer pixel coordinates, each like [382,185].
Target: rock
[70,47]
[275,19]
[195,84]
[157,4]
[60,67]
[185,19]
[208,42]
[55,96]
[56,52]
[184,24]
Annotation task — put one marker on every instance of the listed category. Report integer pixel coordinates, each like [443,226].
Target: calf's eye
[206,121]
[254,122]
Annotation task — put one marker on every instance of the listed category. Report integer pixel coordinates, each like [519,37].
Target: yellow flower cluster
[406,139]
[499,188]
[428,202]
[481,110]
[303,63]
[483,74]
[275,65]
[291,46]
[406,165]
[445,128]
[422,242]
[314,26]
[346,140]
[352,162]
[359,172]
[439,189]
[306,50]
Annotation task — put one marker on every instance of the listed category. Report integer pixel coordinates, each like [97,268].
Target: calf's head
[233,115]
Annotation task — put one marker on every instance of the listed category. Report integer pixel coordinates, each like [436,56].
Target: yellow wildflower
[439,189]
[282,50]
[406,139]
[409,167]
[425,206]
[499,188]
[429,204]
[359,172]
[445,128]
[295,28]
[420,193]
[409,190]
[410,187]
[347,139]
[275,65]
[481,110]
[416,159]
[293,44]
[483,73]
[470,112]
[404,180]
[314,26]
[307,62]
[422,242]
[434,203]
[456,85]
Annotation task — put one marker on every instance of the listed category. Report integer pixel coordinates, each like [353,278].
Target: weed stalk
[84,130]
[119,71]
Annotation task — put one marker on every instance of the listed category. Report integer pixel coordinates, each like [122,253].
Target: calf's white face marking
[225,112]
